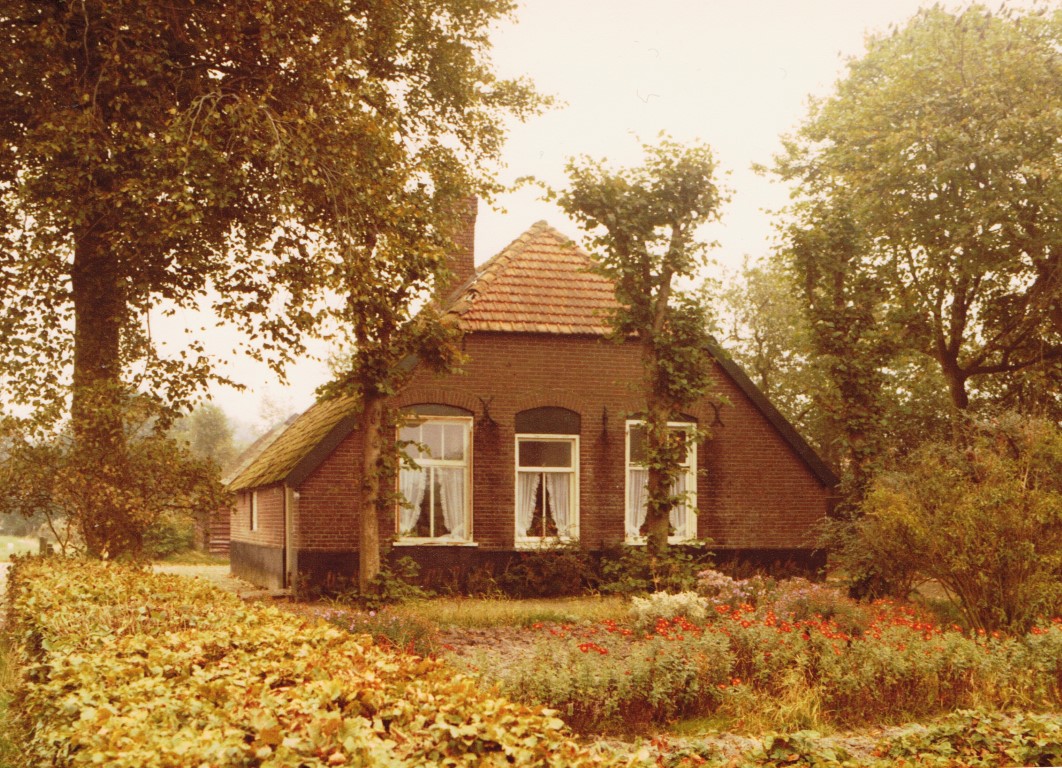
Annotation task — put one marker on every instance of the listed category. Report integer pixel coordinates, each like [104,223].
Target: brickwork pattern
[270,517]
[754,492]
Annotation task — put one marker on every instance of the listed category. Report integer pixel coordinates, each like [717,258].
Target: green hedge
[125,668]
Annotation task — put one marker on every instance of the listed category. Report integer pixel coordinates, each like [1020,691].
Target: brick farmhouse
[536,440]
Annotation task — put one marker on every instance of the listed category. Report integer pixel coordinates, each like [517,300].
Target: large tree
[152,152]
[644,225]
[938,158]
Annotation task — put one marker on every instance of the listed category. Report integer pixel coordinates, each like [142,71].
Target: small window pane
[542,453]
[432,437]
[637,444]
[453,442]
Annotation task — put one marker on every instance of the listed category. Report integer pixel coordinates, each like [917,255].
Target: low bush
[122,667]
[722,589]
[551,571]
[609,678]
[169,534]
[792,670]
[647,611]
[981,516]
[630,570]
[403,632]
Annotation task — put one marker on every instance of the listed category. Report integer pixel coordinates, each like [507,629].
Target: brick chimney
[462,261]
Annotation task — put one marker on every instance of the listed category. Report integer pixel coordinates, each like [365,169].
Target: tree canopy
[270,154]
[938,159]
[644,225]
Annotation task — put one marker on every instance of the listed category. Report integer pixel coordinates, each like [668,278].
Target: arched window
[547,475]
[436,485]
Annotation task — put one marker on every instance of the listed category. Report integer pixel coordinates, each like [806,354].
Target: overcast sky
[735,74]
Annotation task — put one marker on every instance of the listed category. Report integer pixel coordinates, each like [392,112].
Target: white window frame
[532,542]
[466,464]
[254,510]
[690,503]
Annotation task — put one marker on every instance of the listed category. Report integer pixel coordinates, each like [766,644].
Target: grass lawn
[16,545]
[476,613]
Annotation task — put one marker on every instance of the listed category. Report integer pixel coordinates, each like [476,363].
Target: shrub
[982,517]
[722,589]
[605,678]
[169,534]
[127,668]
[631,572]
[549,571]
[402,632]
[647,611]
[800,599]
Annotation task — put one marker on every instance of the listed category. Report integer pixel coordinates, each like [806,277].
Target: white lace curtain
[413,482]
[526,491]
[449,495]
[638,500]
[451,485]
[557,491]
[557,499]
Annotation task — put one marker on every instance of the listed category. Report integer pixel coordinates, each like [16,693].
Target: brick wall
[327,509]
[270,517]
[754,492]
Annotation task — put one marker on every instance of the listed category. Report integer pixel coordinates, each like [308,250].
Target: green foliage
[395,583]
[978,738]
[635,571]
[126,668]
[602,681]
[159,491]
[765,330]
[784,665]
[643,223]
[402,631]
[551,571]
[296,164]
[169,534]
[929,185]
[983,518]
[208,434]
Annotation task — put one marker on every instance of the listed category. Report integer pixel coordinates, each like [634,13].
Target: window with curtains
[547,488]
[435,491]
[683,520]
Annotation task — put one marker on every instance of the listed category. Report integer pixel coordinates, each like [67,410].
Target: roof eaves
[317,455]
[788,432]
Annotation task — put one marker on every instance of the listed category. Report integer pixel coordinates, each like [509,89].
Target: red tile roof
[542,282]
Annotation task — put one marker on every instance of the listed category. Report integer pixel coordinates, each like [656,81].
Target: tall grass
[475,613]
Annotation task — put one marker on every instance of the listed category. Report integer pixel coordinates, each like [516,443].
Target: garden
[752,671]
[114,664]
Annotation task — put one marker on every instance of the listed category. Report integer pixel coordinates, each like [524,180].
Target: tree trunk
[372,423]
[107,523]
[658,506]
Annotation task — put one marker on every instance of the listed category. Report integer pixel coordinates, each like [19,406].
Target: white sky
[735,74]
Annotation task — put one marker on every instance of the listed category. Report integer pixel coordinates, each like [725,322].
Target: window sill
[641,541]
[545,543]
[433,543]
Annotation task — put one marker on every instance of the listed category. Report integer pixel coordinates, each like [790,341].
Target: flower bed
[759,668]
[126,668]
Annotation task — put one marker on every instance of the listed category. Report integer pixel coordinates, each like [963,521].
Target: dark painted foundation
[462,569]
[260,565]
